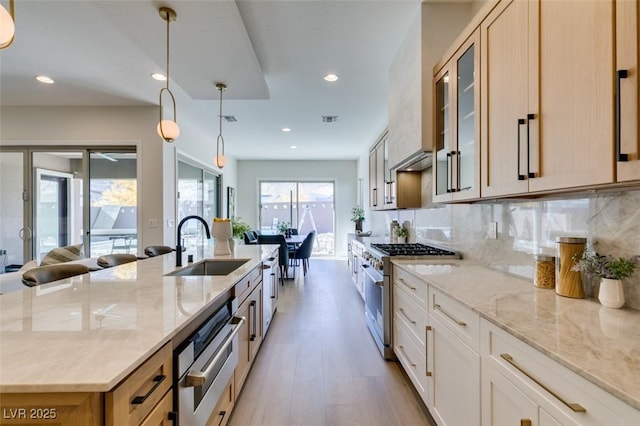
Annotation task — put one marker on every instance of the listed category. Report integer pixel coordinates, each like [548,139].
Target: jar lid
[571,240]
[544,258]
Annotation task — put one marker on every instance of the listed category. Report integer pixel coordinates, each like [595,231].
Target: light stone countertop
[600,344]
[87,333]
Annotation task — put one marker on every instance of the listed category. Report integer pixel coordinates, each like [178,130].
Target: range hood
[418,161]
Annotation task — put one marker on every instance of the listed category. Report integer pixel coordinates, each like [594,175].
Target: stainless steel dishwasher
[205,364]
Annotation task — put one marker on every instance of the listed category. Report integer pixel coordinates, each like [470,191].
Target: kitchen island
[86,334]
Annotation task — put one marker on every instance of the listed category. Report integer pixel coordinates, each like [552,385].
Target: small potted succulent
[611,271]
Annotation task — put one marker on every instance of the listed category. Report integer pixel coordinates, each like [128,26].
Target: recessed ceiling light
[293,147]
[331,77]
[286,129]
[44,79]
[158,76]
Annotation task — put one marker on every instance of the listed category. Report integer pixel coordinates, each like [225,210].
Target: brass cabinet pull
[405,355]
[525,422]
[576,408]
[426,352]
[406,316]
[407,285]
[452,318]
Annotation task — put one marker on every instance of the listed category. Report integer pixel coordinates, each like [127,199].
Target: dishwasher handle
[198,378]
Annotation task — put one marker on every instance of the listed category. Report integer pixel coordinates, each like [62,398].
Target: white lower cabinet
[523,386]
[454,394]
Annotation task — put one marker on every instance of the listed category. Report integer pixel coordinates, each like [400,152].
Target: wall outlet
[493,231]
[170,223]
[153,223]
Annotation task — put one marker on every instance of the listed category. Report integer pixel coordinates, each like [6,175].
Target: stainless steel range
[378,281]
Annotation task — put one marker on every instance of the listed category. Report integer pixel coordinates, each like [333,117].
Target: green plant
[402,232]
[357,214]
[283,226]
[238,227]
[597,265]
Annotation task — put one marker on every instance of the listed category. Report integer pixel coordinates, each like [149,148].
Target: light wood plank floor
[319,364]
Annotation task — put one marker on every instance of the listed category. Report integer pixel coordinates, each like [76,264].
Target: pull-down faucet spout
[179,242]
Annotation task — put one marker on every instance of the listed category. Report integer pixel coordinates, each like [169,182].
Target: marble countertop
[598,343]
[87,333]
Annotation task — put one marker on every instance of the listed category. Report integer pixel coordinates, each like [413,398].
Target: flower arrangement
[402,232]
[357,214]
[238,227]
[597,265]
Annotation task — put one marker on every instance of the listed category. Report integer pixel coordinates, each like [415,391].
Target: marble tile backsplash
[609,221]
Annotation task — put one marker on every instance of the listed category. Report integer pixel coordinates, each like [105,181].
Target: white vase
[611,294]
[402,240]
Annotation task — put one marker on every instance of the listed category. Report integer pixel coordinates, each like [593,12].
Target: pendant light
[221,160]
[168,129]
[7,25]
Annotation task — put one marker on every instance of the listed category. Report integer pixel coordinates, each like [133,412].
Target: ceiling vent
[329,118]
[230,118]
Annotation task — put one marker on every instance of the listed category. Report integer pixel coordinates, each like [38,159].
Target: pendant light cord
[168,21]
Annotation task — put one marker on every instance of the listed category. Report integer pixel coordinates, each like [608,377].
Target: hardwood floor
[319,364]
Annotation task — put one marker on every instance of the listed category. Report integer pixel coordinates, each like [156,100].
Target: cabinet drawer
[411,356]
[247,283]
[414,286]
[222,411]
[458,318]
[160,414]
[134,398]
[561,393]
[409,313]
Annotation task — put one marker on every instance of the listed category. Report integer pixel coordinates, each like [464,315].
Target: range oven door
[205,365]
[377,303]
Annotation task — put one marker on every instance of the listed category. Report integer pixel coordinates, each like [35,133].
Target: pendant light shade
[168,128]
[7,25]
[220,159]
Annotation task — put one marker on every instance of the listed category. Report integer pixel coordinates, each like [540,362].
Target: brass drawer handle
[406,316]
[525,422]
[452,318]
[407,285]
[576,408]
[405,355]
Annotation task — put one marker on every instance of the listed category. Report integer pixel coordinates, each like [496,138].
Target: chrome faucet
[179,245]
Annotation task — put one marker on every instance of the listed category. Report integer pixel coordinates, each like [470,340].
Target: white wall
[343,173]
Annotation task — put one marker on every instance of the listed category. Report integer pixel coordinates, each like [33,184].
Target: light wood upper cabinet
[376,176]
[547,96]
[457,127]
[628,95]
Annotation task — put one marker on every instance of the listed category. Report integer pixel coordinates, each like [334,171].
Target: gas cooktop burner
[412,250]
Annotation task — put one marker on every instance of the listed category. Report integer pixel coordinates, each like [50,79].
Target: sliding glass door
[42,201]
[305,206]
[113,198]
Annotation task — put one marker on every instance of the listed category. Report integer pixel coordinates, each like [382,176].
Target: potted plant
[238,228]
[357,216]
[283,227]
[611,271]
[402,234]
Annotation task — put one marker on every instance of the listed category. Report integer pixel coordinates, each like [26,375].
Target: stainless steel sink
[210,267]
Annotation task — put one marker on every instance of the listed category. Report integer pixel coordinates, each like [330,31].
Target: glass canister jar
[568,281]
[544,274]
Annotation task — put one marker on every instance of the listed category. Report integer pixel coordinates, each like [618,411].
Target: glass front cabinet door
[457,131]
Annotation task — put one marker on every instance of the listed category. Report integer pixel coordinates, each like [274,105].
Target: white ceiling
[271,54]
